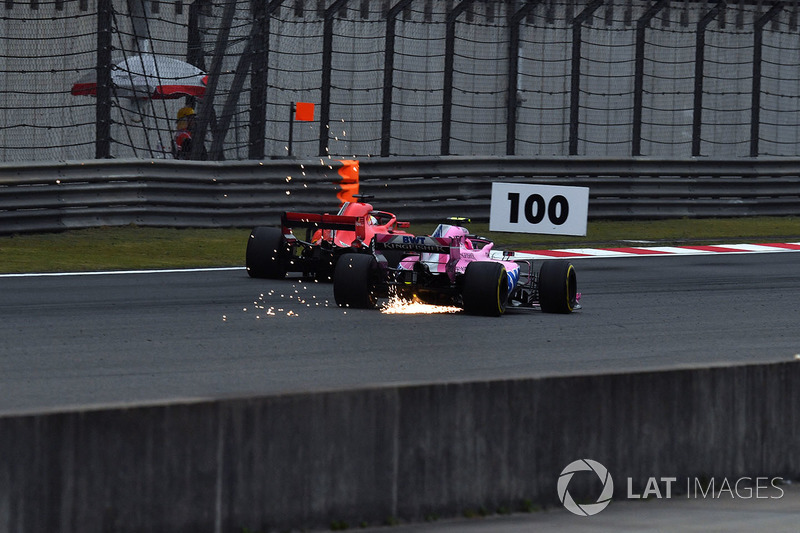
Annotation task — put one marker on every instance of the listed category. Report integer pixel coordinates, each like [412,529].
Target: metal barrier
[53,197]
[58,196]
[633,188]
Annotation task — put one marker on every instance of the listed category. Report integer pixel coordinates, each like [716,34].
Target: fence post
[207,103]
[194,45]
[575,89]
[215,153]
[259,72]
[755,106]
[388,76]
[103,104]
[513,73]
[259,54]
[699,61]
[638,80]
[447,92]
[327,64]
[138,12]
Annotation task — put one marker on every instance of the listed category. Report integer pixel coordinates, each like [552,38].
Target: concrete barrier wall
[308,460]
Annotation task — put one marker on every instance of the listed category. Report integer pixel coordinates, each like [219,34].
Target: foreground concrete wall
[397,452]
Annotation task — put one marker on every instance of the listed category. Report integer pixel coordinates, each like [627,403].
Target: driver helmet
[185,112]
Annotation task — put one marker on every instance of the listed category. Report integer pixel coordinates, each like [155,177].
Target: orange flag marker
[304,111]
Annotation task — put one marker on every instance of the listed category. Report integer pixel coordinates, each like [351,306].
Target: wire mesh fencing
[613,78]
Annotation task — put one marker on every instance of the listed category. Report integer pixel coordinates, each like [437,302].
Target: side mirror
[404,225]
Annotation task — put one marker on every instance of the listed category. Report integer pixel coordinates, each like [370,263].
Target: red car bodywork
[354,226]
[272,252]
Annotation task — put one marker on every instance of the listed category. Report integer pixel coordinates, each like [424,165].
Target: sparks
[401,306]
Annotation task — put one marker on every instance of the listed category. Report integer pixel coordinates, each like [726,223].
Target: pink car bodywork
[462,250]
[453,267]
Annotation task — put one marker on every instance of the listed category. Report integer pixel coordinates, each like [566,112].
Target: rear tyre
[267,253]
[485,288]
[355,280]
[558,287]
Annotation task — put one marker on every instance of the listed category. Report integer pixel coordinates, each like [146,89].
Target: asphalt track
[125,338]
[720,514]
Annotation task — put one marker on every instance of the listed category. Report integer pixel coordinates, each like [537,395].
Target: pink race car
[453,267]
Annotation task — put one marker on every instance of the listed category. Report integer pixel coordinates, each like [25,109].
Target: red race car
[272,252]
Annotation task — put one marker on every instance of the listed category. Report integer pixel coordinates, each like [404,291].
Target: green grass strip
[133,248]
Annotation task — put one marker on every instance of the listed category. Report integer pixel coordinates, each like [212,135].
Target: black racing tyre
[267,253]
[558,287]
[354,281]
[485,288]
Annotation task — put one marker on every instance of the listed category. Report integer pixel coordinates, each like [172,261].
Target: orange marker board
[349,183]
[304,111]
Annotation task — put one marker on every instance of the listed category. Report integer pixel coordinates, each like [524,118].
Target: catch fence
[614,78]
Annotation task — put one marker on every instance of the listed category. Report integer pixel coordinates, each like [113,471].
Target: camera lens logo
[587,509]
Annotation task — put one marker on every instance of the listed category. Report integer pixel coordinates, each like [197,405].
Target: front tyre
[485,288]
[355,279]
[558,287]
[267,253]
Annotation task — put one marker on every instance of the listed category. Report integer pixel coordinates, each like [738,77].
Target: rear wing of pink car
[412,244]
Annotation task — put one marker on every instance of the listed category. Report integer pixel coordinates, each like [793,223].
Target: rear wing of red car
[314,221]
